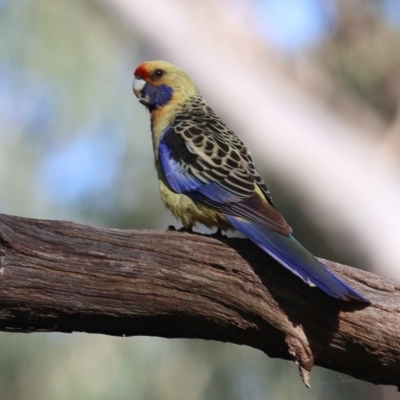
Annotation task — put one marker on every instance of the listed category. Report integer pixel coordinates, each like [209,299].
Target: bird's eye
[158,73]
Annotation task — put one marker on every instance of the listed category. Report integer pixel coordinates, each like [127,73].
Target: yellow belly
[191,212]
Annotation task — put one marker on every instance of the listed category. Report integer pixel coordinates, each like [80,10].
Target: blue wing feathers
[291,254]
[183,182]
[175,174]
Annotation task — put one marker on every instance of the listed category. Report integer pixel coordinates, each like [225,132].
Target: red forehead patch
[142,72]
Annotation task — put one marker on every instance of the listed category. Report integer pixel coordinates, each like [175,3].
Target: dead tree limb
[65,277]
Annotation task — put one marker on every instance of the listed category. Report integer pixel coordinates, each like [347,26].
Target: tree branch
[65,277]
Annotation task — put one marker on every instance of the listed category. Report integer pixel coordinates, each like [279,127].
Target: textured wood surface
[65,277]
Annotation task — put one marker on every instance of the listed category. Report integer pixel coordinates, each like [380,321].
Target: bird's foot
[183,229]
[187,230]
[218,233]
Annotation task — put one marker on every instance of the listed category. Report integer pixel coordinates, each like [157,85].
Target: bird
[207,175]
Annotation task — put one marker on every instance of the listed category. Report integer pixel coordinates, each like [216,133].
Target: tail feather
[292,255]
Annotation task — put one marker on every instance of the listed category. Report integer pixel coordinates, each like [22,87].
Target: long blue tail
[292,255]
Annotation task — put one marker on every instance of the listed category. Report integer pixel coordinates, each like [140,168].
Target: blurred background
[313,87]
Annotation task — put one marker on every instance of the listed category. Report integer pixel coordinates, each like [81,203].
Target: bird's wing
[203,159]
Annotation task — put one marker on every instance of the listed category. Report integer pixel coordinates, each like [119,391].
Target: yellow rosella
[207,175]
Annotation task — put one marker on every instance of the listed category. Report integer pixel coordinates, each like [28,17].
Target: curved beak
[137,87]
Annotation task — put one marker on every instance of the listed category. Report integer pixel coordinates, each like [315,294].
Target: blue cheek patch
[158,96]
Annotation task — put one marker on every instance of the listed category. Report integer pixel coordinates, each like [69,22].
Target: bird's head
[158,83]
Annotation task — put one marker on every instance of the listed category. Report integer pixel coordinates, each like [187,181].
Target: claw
[183,229]
[188,230]
[218,233]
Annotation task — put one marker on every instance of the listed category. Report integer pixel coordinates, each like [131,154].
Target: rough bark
[65,277]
